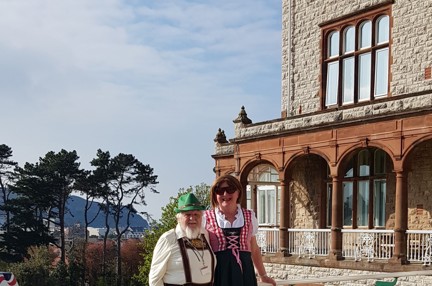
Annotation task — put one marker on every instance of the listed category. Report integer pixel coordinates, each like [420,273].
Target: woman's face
[226,195]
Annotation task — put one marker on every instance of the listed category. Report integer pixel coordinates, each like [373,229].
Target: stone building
[343,179]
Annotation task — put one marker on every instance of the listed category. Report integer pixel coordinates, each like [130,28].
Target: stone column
[401,220]
[337,220]
[254,204]
[284,218]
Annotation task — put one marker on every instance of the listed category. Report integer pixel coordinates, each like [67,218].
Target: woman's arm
[258,262]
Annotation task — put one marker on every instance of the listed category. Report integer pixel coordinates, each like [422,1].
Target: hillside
[76,206]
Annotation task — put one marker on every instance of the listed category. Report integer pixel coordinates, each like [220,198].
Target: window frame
[340,25]
[351,181]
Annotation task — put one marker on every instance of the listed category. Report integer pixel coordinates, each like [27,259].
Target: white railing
[358,244]
[367,244]
[419,244]
[309,242]
[268,240]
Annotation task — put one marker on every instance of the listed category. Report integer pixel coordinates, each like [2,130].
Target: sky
[155,79]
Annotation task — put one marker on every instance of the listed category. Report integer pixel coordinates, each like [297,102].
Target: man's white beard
[192,233]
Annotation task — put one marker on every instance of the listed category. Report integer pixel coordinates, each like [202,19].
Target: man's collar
[179,232]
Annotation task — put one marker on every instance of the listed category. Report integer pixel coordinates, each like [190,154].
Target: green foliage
[38,268]
[35,270]
[167,221]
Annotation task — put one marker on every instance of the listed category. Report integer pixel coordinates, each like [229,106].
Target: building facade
[343,179]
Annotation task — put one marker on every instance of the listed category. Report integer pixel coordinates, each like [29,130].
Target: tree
[60,171]
[42,190]
[6,177]
[101,178]
[27,226]
[167,221]
[87,186]
[125,182]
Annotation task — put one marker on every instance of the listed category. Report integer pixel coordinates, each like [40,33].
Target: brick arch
[247,168]
[229,171]
[301,154]
[249,165]
[411,148]
[348,153]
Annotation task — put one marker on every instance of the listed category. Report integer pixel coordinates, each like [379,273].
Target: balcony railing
[358,244]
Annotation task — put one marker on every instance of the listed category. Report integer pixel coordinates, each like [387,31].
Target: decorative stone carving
[220,137]
[242,117]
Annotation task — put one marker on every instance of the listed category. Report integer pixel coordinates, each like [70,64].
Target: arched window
[262,194]
[364,190]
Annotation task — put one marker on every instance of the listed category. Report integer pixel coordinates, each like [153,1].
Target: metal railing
[358,244]
[309,242]
[268,240]
[370,244]
[419,244]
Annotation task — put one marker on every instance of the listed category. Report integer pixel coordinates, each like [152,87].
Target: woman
[232,232]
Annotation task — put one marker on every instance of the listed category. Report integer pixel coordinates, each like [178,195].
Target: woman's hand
[266,279]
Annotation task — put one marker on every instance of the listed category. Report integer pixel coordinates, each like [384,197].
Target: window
[364,190]
[266,205]
[355,66]
[265,180]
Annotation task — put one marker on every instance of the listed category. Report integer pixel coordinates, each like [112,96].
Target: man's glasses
[221,190]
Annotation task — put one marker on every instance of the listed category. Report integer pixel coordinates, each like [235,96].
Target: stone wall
[301,48]
[305,192]
[311,120]
[420,187]
[284,272]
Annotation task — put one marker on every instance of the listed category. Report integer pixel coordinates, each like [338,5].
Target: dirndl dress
[231,246]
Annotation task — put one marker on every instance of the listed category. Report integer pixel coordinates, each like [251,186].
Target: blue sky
[155,79]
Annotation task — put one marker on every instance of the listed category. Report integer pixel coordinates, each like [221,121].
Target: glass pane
[263,173]
[348,80]
[363,163]
[332,83]
[348,202]
[349,39]
[365,35]
[329,204]
[383,30]
[380,162]
[350,169]
[261,207]
[248,197]
[278,203]
[363,203]
[271,204]
[333,44]
[381,72]
[364,76]
[379,202]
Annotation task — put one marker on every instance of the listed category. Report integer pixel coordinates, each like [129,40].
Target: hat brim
[189,208]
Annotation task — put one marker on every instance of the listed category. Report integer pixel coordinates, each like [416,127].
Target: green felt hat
[188,202]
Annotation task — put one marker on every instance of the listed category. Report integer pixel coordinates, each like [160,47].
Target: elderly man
[183,256]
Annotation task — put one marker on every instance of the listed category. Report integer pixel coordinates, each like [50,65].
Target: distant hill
[76,206]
